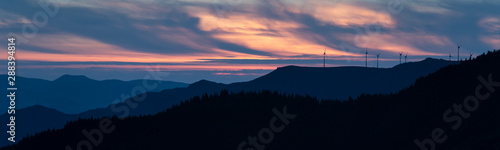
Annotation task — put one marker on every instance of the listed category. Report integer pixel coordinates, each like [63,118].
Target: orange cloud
[398,42]
[274,36]
[80,49]
[493,41]
[431,7]
[346,15]
[244,27]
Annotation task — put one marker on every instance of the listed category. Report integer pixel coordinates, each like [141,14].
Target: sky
[237,40]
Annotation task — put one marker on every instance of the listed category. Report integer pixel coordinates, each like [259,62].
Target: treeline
[437,111]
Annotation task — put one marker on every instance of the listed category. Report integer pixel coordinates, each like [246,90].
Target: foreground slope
[394,121]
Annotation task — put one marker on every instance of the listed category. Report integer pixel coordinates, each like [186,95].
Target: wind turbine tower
[366,58]
[458,52]
[449,57]
[406,56]
[377,59]
[400,57]
[324,59]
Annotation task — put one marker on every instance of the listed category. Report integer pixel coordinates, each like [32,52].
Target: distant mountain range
[324,83]
[412,118]
[76,93]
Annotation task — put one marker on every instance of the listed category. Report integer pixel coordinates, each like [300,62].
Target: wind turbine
[377,58]
[458,52]
[324,59]
[401,53]
[366,57]
[406,56]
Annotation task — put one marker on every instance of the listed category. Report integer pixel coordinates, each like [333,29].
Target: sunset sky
[239,40]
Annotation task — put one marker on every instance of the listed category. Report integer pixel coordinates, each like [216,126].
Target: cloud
[397,42]
[493,41]
[490,24]
[346,15]
[71,48]
[195,35]
[8,19]
[277,36]
[438,8]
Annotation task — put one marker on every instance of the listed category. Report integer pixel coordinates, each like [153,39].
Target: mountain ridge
[172,97]
[379,121]
[74,93]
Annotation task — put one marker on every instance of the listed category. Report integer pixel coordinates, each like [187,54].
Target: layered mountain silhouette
[33,119]
[324,83]
[71,93]
[76,93]
[453,108]
[330,82]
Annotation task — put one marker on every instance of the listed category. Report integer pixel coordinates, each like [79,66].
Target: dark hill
[33,119]
[342,82]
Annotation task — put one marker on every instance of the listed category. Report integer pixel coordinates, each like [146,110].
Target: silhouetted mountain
[73,79]
[76,93]
[333,83]
[328,83]
[205,84]
[33,119]
[342,82]
[453,108]
[70,94]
